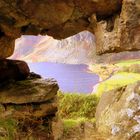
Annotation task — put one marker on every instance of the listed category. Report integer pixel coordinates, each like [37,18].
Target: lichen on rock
[121,112]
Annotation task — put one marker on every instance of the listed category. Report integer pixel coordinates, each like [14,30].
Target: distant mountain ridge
[73,50]
[78,49]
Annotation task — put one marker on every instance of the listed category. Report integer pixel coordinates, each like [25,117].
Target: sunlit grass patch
[69,123]
[7,129]
[73,106]
[127,63]
[117,80]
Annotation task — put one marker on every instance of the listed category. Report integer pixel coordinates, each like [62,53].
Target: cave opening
[65,60]
[30,106]
[72,61]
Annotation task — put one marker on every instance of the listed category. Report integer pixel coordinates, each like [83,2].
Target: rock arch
[114,23]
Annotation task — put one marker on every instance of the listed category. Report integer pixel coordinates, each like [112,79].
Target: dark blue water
[71,78]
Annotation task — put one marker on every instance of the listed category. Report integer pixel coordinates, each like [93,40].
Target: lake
[71,78]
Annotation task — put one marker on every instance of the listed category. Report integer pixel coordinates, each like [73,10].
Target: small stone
[115,130]
[136,128]
[137,118]
[130,112]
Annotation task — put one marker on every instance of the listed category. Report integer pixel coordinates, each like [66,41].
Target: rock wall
[119,32]
[118,113]
[114,23]
[13,70]
[28,104]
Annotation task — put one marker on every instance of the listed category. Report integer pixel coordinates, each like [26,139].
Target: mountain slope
[76,49]
[73,50]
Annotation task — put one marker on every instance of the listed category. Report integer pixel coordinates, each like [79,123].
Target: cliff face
[74,50]
[121,31]
[78,49]
[118,112]
[114,23]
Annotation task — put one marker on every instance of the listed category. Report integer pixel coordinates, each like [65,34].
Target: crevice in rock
[44,31]
[29,104]
[120,93]
[1,34]
[24,28]
[110,23]
[110,19]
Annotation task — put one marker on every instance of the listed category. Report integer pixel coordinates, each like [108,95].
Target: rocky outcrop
[35,17]
[119,32]
[13,70]
[114,23]
[28,107]
[118,113]
[28,104]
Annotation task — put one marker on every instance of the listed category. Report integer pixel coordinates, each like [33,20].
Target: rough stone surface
[115,24]
[118,113]
[57,18]
[13,70]
[119,32]
[27,109]
[57,128]
[29,91]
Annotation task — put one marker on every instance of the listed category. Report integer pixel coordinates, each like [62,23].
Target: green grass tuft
[127,62]
[73,106]
[9,125]
[117,80]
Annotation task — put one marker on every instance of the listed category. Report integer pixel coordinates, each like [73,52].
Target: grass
[127,63]
[69,123]
[75,110]
[9,127]
[73,106]
[117,80]
[128,74]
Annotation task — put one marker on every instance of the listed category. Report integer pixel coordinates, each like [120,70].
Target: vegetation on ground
[73,105]
[117,80]
[7,129]
[128,62]
[127,72]
[69,123]
[103,70]
[75,109]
